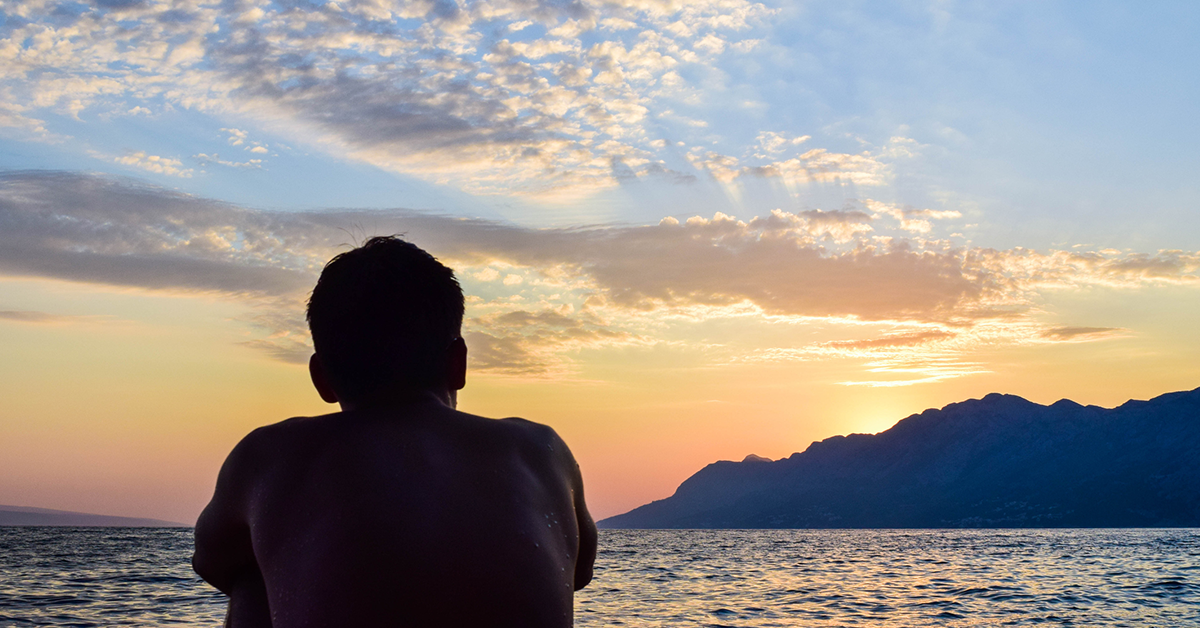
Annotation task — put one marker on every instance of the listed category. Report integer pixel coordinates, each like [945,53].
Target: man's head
[386,317]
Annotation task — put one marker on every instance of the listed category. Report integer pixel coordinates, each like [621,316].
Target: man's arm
[561,463]
[248,605]
[588,536]
[224,554]
[586,558]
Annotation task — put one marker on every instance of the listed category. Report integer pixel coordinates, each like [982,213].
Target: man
[399,510]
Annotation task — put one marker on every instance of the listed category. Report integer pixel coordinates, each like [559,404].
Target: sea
[88,577]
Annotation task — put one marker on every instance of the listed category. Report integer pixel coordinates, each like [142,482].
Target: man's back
[418,515]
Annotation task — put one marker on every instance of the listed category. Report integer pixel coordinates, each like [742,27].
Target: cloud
[522,342]
[563,290]
[237,137]
[769,144]
[769,262]
[118,232]
[13,120]
[155,164]
[916,354]
[1080,334]
[711,44]
[914,372]
[216,159]
[288,350]
[487,274]
[911,219]
[1115,269]
[891,341]
[840,225]
[658,171]
[28,316]
[465,93]
[1166,265]
[815,165]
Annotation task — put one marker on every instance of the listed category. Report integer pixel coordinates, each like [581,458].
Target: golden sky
[149,330]
[688,230]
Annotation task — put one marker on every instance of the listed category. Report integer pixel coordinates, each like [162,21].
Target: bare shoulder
[249,453]
[529,430]
[535,437]
[535,442]
[289,428]
[255,454]
[265,444]
[543,446]
[223,546]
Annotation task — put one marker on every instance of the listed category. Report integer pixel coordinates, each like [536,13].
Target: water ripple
[894,578]
[91,577]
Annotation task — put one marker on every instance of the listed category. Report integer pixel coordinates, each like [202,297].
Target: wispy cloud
[815,165]
[14,122]
[911,218]
[908,372]
[891,341]
[555,292]
[154,163]
[524,342]
[491,95]
[30,316]
[117,232]
[1081,334]
[214,158]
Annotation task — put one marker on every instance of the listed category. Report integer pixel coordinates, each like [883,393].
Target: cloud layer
[539,296]
[490,95]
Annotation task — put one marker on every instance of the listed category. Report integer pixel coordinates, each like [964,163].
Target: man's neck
[403,398]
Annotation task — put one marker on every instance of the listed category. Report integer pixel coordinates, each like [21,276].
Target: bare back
[416,517]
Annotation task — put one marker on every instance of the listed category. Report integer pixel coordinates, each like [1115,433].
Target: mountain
[1000,461]
[23,516]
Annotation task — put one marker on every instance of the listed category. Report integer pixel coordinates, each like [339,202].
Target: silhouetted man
[399,510]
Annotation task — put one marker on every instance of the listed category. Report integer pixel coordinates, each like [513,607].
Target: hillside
[1000,461]
[24,516]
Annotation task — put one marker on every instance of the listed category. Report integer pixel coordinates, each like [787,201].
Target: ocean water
[1095,578]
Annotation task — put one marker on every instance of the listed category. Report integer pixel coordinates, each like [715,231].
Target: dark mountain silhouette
[1000,461]
[24,516]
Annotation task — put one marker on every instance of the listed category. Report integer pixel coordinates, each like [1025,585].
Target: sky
[687,230]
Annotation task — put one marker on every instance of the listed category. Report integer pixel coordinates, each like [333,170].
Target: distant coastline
[996,462]
[11,516]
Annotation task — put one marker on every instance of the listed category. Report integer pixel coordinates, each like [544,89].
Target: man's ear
[456,365]
[320,380]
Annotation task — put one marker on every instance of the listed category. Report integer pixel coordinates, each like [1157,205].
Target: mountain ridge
[11,516]
[999,461]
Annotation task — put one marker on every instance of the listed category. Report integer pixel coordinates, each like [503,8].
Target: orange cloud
[566,289]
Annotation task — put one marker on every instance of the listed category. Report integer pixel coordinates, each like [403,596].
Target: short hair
[382,315]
